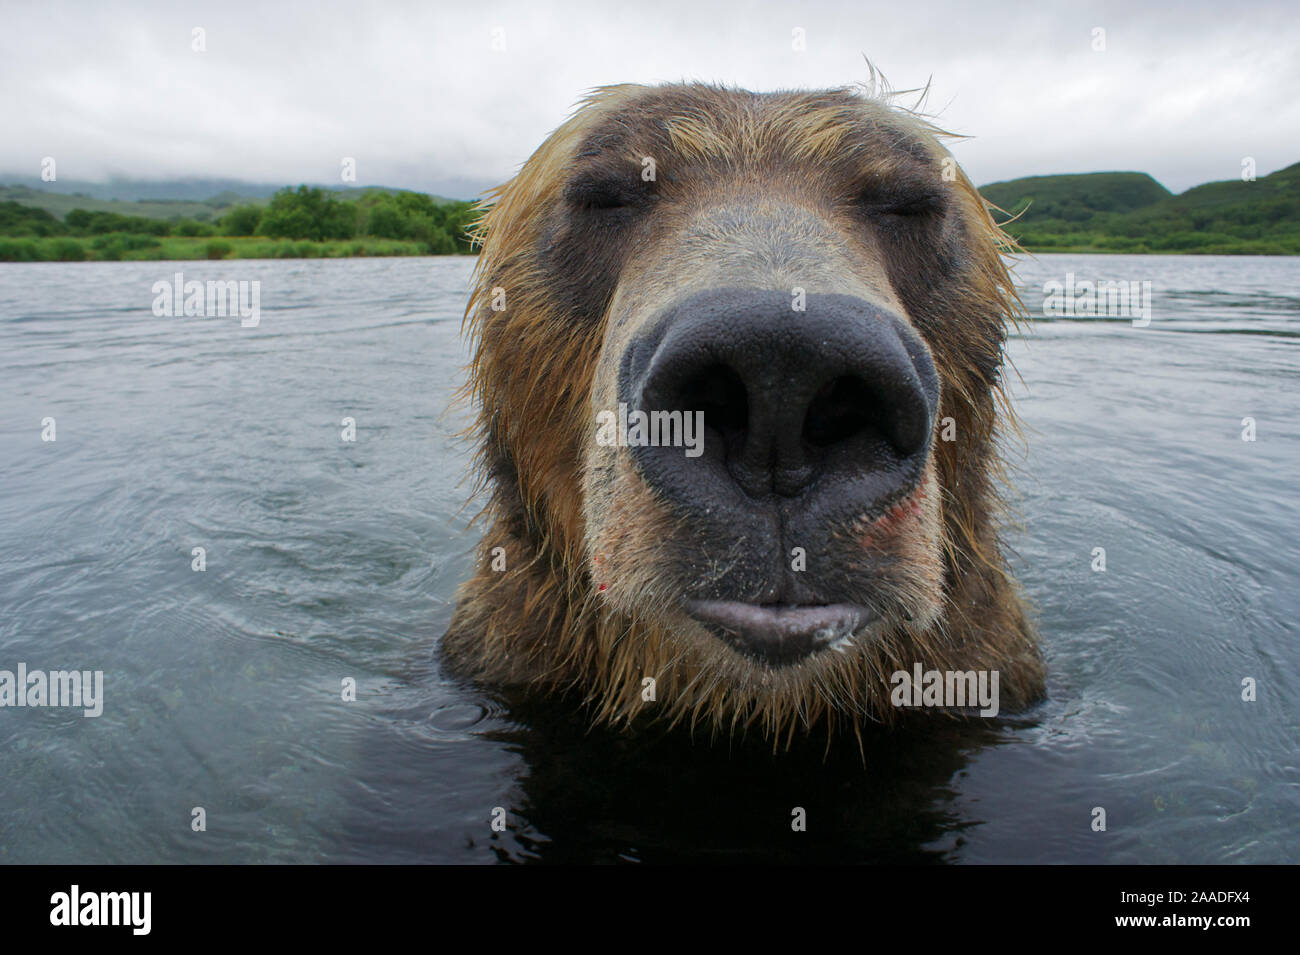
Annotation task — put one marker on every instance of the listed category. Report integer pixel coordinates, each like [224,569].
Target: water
[329,560]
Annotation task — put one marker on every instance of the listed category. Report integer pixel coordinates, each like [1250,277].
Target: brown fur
[570,517]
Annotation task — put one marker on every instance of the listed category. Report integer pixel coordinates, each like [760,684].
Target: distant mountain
[191,190]
[59,204]
[199,199]
[1074,198]
[133,190]
[1270,199]
[1131,212]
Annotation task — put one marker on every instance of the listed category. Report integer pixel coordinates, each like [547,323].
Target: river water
[327,560]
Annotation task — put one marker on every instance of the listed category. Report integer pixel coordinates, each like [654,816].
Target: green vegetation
[306,222]
[1093,212]
[59,204]
[1131,212]
[115,248]
[241,220]
[1074,198]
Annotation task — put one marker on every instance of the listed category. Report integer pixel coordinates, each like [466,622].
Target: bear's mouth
[781,634]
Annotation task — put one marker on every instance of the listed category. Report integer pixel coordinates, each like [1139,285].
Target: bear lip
[781,634]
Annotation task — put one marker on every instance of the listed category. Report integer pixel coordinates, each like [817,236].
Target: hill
[132,190]
[59,204]
[1074,198]
[169,199]
[1131,212]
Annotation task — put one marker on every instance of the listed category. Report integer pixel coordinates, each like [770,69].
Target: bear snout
[824,414]
[813,422]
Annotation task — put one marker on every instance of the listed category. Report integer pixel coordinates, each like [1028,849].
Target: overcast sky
[418,95]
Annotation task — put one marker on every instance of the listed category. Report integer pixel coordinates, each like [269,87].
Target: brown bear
[737,369]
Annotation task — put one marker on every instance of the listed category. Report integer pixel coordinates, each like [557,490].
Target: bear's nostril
[719,392]
[841,409]
[832,409]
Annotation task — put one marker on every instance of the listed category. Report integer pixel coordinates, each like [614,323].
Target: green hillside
[1074,198]
[59,204]
[1131,212]
[1268,206]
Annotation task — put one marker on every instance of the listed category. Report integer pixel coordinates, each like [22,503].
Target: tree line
[306,212]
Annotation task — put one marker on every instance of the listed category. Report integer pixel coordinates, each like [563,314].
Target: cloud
[418,95]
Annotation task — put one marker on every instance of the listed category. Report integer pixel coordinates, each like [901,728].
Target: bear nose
[839,396]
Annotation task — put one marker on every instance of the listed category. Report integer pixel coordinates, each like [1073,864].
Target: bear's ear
[509,214]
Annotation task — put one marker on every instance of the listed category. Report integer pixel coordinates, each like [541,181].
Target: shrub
[107,251]
[308,213]
[65,250]
[114,246]
[188,227]
[17,219]
[19,250]
[241,220]
[85,222]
